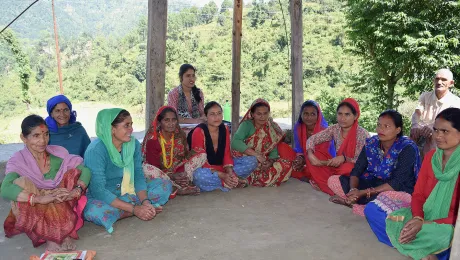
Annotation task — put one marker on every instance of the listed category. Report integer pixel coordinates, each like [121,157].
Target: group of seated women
[60,178]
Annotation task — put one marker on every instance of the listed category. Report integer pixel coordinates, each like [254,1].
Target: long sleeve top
[402,178]
[245,130]
[173,101]
[333,133]
[425,184]
[106,177]
[72,137]
[10,191]
[199,144]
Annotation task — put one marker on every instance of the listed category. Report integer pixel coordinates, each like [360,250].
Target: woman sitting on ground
[349,139]
[258,135]
[45,184]
[219,171]
[166,153]
[118,188]
[187,99]
[425,229]
[311,121]
[64,130]
[388,162]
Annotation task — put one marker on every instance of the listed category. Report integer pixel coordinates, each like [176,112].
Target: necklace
[163,151]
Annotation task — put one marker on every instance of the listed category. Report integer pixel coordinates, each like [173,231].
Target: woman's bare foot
[69,244]
[430,257]
[338,200]
[242,183]
[314,185]
[54,247]
[159,209]
[190,190]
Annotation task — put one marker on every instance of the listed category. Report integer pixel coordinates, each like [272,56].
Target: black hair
[396,117]
[195,90]
[452,115]
[209,105]
[253,109]
[163,113]
[352,108]
[308,103]
[120,117]
[30,122]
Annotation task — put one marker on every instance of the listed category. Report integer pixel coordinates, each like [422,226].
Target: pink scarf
[23,163]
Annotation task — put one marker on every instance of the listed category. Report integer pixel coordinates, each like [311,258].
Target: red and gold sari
[174,157]
[265,140]
[46,222]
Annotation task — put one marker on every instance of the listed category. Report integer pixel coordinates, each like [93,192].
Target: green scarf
[104,121]
[438,203]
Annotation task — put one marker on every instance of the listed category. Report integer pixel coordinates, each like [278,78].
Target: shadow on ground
[289,222]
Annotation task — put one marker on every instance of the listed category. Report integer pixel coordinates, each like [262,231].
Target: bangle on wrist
[419,218]
[352,189]
[79,187]
[134,206]
[146,200]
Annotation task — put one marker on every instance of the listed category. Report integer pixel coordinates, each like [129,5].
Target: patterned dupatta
[182,106]
[266,138]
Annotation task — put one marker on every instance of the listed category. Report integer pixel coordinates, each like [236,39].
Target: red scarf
[152,133]
[348,146]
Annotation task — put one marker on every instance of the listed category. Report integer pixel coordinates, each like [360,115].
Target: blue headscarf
[321,124]
[52,102]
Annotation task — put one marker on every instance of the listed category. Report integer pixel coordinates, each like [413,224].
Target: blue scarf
[52,102]
[381,167]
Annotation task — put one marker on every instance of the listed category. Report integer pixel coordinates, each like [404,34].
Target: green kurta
[10,191]
[245,130]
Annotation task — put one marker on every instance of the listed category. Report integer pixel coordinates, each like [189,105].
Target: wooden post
[296,58]
[156,58]
[58,51]
[236,62]
[455,252]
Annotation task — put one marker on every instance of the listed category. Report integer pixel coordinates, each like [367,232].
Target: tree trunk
[236,62]
[156,58]
[296,58]
[391,84]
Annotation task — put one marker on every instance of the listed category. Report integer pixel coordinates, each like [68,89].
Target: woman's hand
[336,161]
[229,179]
[313,159]
[46,199]
[73,194]
[60,194]
[299,163]
[144,211]
[261,158]
[267,164]
[355,195]
[410,230]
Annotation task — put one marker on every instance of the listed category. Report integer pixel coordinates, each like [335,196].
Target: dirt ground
[289,222]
